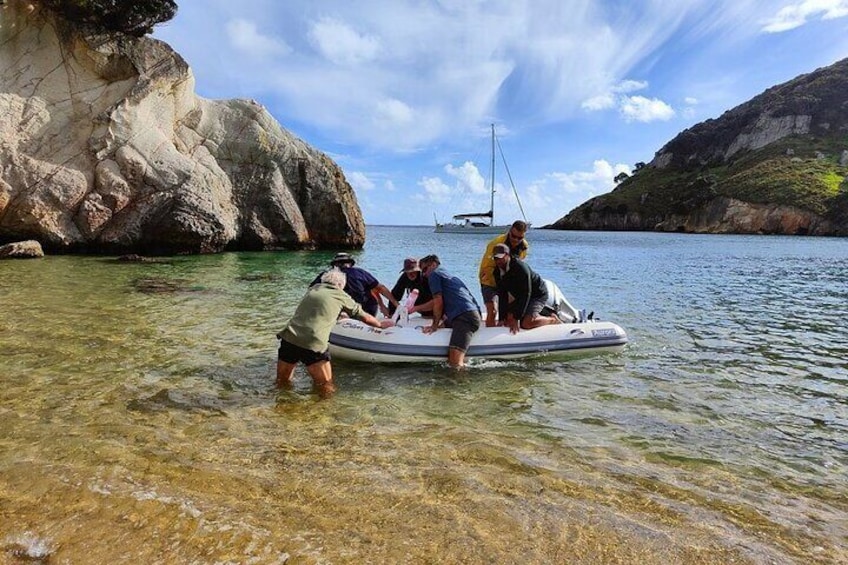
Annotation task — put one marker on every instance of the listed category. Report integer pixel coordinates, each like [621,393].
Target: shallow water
[139,422]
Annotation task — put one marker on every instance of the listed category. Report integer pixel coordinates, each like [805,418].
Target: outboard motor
[557,304]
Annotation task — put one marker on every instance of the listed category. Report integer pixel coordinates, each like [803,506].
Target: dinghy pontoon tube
[407,343]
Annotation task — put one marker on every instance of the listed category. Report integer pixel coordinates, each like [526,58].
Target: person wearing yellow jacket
[518,247]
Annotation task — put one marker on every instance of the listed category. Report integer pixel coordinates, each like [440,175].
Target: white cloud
[341,44]
[556,194]
[392,113]
[641,109]
[633,108]
[468,178]
[435,189]
[418,73]
[600,102]
[245,37]
[688,111]
[795,15]
[360,181]
[626,86]
[590,183]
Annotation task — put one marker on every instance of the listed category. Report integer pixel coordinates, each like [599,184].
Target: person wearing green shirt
[306,338]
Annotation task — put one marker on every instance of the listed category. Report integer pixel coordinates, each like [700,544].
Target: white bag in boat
[401,317]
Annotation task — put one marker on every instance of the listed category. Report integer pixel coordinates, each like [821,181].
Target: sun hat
[500,250]
[341,259]
[410,264]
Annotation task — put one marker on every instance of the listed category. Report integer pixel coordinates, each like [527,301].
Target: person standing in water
[306,337]
[452,299]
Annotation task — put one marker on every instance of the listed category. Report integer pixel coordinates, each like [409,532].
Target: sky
[402,94]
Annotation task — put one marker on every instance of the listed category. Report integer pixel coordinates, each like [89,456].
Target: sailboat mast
[492,203]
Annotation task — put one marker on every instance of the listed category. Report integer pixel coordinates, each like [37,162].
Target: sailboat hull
[468,229]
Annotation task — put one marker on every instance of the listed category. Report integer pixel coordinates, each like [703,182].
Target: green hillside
[719,159]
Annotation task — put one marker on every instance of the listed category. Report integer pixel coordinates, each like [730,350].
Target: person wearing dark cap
[409,280]
[361,285]
[452,299]
[529,294]
[518,247]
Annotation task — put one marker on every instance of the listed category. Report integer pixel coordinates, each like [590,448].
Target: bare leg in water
[322,378]
[285,372]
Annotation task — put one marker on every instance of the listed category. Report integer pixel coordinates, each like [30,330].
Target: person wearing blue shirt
[361,285]
[453,300]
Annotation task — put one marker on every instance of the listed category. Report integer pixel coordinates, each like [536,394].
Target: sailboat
[482,222]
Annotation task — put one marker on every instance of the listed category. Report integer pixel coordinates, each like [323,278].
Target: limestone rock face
[29,249]
[768,129]
[104,147]
[728,215]
[720,215]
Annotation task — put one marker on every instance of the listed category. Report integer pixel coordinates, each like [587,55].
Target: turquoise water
[139,422]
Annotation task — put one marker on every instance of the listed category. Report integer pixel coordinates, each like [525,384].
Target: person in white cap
[513,277]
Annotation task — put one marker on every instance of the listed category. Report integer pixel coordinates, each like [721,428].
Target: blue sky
[400,93]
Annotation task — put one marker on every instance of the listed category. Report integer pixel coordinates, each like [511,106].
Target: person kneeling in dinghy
[306,337]
[515,278]
[409,280]
[453,299]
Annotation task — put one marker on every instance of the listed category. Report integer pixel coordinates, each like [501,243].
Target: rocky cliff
[104,147]
[776,164]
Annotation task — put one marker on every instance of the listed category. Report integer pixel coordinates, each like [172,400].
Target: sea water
[139,422]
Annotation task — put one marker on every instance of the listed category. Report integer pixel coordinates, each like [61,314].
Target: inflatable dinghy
[406,342]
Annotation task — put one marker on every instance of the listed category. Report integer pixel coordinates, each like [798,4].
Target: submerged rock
[162,285]
[21,250]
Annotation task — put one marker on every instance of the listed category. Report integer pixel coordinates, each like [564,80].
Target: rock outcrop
[29,249]
[777,164]
[720,215]
[104,147]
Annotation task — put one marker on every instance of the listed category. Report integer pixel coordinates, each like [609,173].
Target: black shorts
[463,328]
[291,353]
